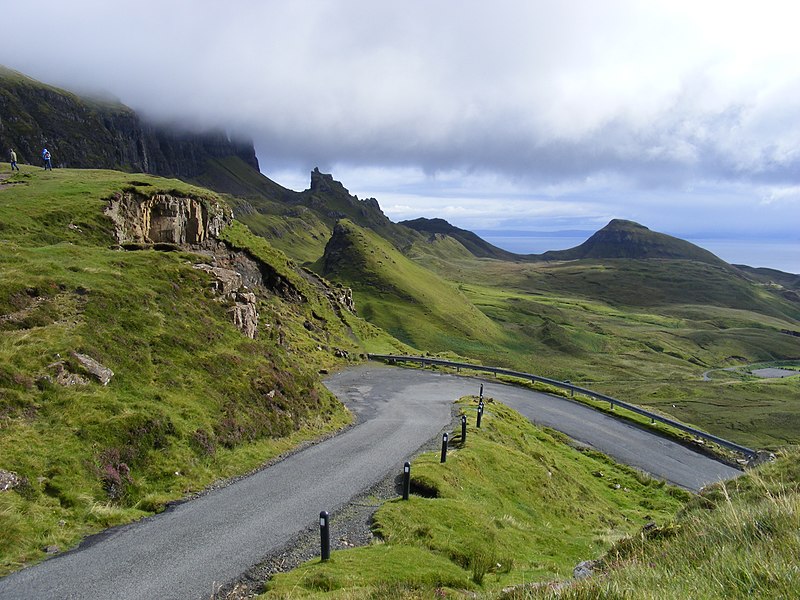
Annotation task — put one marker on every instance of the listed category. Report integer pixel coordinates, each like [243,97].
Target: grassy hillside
[515,504]
[645,330]
[403,297]
[736,541]
[192,399]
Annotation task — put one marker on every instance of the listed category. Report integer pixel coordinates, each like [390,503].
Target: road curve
[193,548]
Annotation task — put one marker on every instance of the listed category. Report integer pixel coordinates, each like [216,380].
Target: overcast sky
[524,115]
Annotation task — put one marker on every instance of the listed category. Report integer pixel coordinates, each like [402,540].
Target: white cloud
[613,106]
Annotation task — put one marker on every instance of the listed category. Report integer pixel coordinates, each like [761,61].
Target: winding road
[191,549]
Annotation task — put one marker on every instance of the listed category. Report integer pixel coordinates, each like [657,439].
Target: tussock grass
[739,539]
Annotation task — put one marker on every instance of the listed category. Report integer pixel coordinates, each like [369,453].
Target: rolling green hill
[192,398]
[643,329]
[403,297]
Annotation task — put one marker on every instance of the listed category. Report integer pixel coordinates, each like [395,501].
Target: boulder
[8,480]
[101,373]
[584,569]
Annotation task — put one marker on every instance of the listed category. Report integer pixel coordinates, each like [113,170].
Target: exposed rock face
[228,284]
[196,223]
[163,218]
[344,296]
[338,295]
[64,377]
[245,313]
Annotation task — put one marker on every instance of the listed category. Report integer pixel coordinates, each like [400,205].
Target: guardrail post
[325,535]
[444,447]
[406,480]
[463,429]
[480,414]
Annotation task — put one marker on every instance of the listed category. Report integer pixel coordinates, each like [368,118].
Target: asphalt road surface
[195,547]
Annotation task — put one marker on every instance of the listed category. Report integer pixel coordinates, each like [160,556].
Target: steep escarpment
[86,133]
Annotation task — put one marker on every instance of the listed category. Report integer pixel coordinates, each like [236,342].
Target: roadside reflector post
[463,429]
[325,535]
[611,405]
[481,396]
[480,414]
[406,480]
[444,447]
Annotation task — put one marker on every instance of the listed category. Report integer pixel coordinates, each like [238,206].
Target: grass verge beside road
[515,504]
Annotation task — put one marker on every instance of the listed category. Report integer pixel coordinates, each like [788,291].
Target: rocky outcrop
[164,218]
[343,296]
[100,372]
[245,313]
[228,284]
[8,480]
[64,374]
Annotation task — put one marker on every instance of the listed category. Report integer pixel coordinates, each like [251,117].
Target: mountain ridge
[82,132]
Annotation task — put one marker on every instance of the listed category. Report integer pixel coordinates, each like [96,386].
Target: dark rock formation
[626,239]
[84,133]
[471,241]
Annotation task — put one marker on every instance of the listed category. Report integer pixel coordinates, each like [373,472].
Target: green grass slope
[514,504]
[191,400]
[401,296]
[738,540]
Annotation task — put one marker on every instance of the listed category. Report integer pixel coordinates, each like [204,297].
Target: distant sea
[783,255]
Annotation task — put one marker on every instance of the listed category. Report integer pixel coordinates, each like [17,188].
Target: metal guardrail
[749,452]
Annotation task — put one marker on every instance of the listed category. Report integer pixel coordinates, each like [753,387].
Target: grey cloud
[660,95]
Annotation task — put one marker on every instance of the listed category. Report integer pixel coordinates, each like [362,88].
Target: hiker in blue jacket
[46,159]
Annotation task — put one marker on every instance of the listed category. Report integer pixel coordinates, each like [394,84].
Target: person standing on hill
[13,157]
[46,158]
